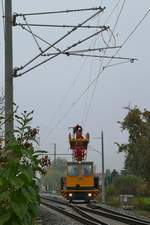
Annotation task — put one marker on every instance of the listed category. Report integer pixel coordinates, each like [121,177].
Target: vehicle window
[86,170]
[72,170]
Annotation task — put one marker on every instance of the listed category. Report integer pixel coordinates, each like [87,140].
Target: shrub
[113,201]
[19,199]
[142,203]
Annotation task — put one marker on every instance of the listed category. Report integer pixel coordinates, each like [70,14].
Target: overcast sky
[53,89]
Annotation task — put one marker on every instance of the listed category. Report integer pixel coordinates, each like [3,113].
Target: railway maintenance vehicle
[80,182]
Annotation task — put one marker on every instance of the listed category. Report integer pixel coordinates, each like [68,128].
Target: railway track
[90,212]
[80,216]
[112,214]
[118,214]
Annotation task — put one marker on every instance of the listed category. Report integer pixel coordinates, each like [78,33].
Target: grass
[141,205]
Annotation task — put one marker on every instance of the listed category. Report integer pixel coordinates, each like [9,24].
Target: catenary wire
[62,52]
[83,50]
[55,26]
[75,79]
[93,81]
[60,11]
[84,63]
[92,95]
[130,35]
[90,77]
[88,92]
[64,98]
[59,40]
[75,51]
[83,93]
[43,40]
[34,37]
[112,31]
[113,10]
[116,64]
[104,56]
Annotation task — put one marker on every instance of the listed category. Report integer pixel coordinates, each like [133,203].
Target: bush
[113,201]
[110,190]
[126,185]
[19,198]
[142,203]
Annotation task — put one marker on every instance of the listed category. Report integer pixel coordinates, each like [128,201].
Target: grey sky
[44,88]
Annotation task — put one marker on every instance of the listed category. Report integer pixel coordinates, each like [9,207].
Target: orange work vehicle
[80,182]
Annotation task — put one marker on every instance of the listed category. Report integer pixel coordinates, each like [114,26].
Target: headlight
[89,194]
[70,194]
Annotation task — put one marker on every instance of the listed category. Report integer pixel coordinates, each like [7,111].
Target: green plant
[19,198]
[113,201]
[51,180]
[137,149]
[142,203]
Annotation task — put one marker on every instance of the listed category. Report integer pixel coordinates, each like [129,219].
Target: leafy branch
[19,163]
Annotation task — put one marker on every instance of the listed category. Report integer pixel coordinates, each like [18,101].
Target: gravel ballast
[50,217]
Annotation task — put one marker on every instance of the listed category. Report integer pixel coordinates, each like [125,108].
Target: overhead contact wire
[59,40]
[130,35]
[101,56]
[32,34]
[57,26]
[113,10]
[94,81]
[66,95]
[83,93]
[61,11]
[87,106]
[37,36]
[83,50]
[62,52]
[101,68]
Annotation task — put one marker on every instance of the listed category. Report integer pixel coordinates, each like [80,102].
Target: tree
[126,185]
[114,174]
[137,150]
[108,179]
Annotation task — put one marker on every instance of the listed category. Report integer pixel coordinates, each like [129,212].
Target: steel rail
[85,215]
[118,213]
[87,220]
[112,214]
[102,211]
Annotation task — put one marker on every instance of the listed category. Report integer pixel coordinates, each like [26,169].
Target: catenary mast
[8,72]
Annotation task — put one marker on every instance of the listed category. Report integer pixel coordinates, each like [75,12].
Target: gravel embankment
[50,217]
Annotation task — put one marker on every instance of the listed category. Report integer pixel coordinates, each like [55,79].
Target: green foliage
[113,201]
[144,188]
[137,150]
[19,199]
[126,185]
[123,185]
[142,203]
[53,175]
[108,178]
[110,190]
